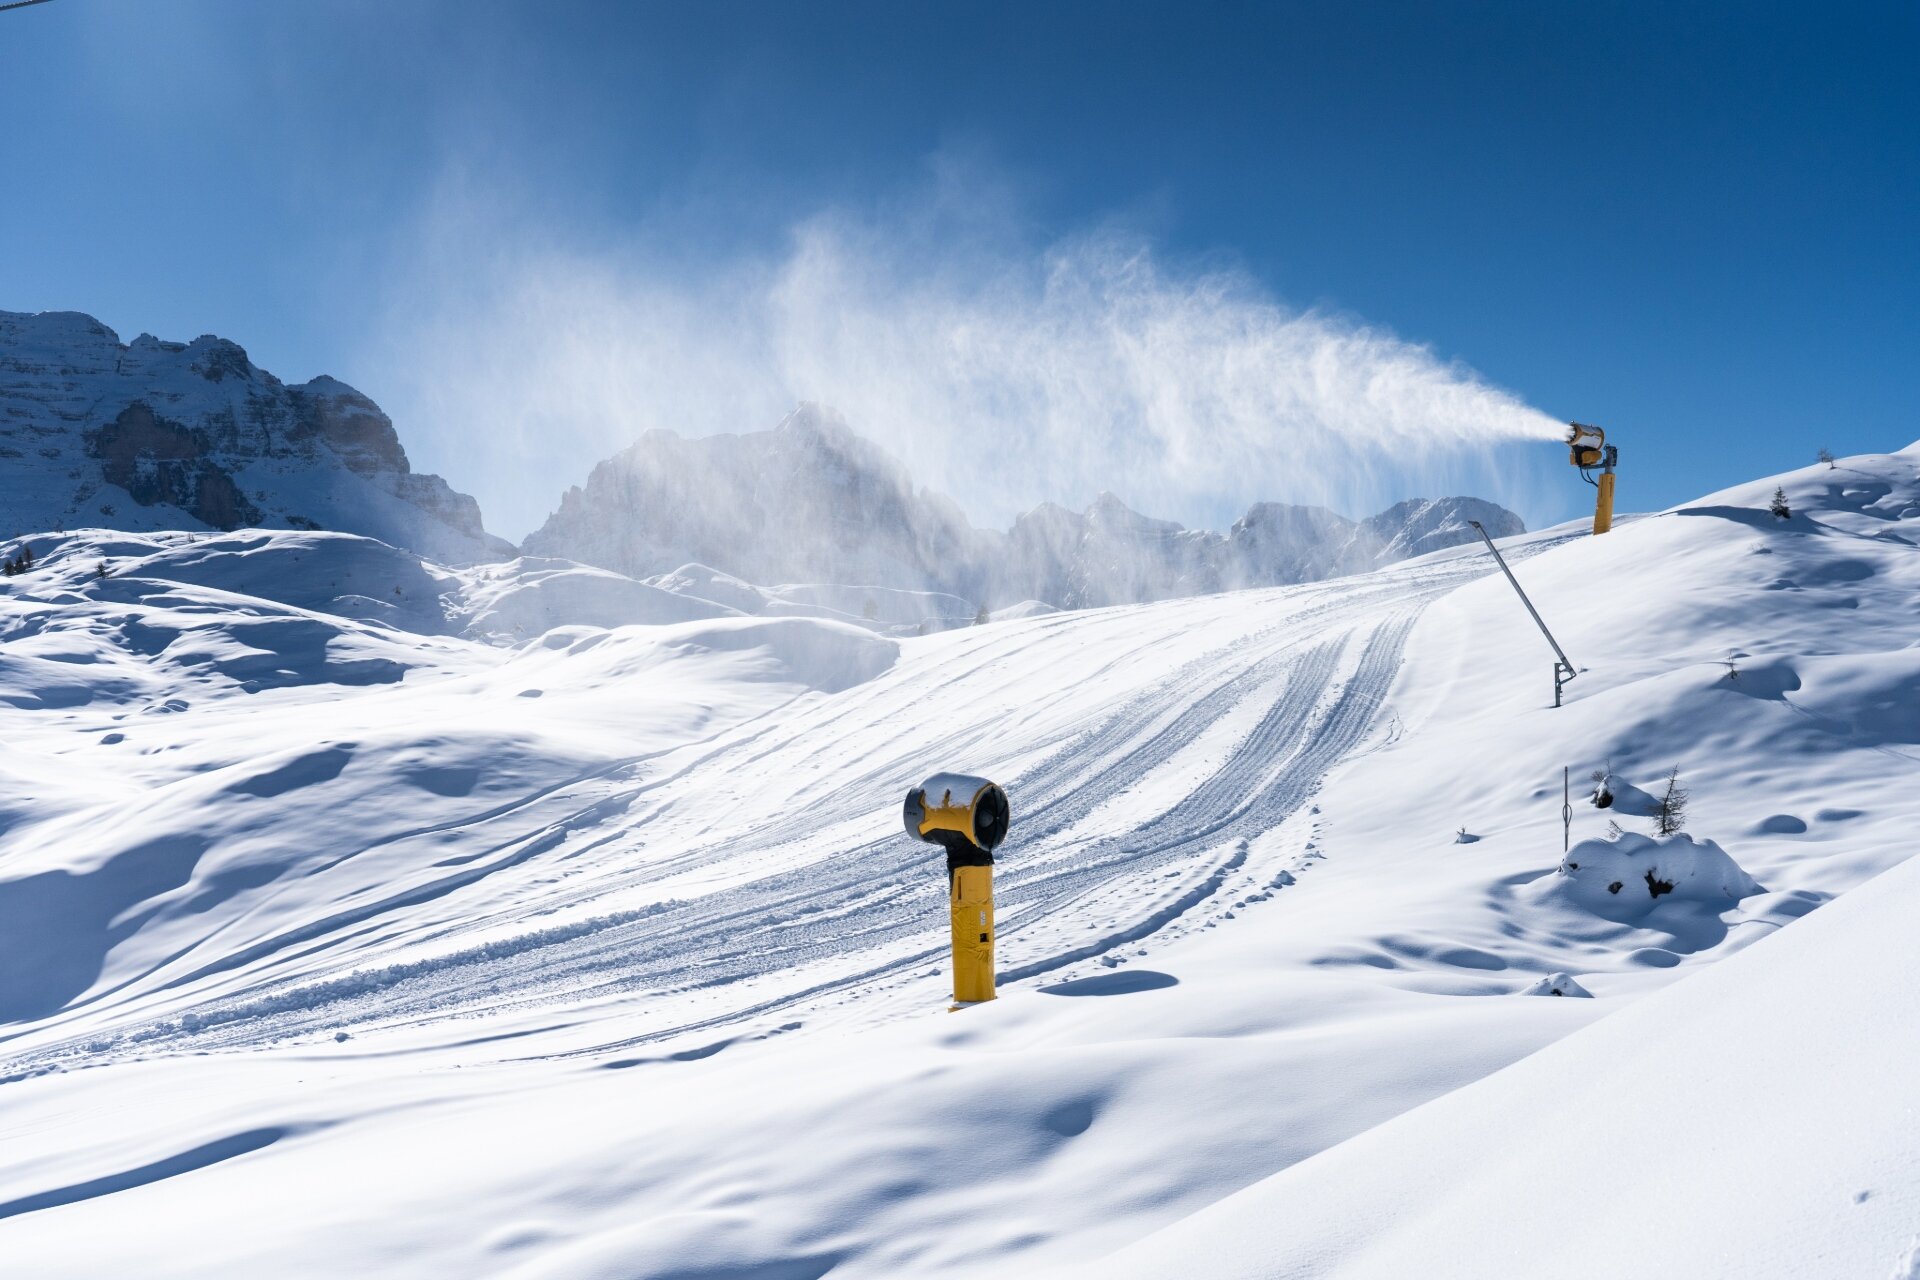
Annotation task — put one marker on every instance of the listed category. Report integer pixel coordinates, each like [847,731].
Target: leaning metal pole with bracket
[1562,669]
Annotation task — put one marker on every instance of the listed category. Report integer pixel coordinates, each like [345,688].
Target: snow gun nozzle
[1587,445]
[966,816]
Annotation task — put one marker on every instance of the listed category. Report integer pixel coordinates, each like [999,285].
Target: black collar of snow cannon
[966,816]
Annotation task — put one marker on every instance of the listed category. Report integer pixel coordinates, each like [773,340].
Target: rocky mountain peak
[155,434]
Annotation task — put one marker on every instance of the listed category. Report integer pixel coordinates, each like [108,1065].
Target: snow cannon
[1588,450]
[968,817]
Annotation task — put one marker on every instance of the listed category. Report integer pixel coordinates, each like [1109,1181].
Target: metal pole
[1563,669]
[1566,809]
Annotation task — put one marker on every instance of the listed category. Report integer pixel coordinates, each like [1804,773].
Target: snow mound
[812,653]
[1622,796]
[827,656]
[333,573]
[1627,879]
[165,620]
[882,607]
[531,596]
[1025,609]
[1556,984]
[707,583]
[889,610]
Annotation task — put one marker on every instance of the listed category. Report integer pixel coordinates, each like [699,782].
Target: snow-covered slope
[154,435]
[813,502]
[331,945]
[1756,1120]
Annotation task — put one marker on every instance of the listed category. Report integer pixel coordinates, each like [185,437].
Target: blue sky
[1694,224]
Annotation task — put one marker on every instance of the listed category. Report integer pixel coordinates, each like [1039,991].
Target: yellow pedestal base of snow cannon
[972,911]
[968,817]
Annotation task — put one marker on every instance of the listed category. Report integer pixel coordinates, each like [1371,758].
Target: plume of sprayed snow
[1003,375]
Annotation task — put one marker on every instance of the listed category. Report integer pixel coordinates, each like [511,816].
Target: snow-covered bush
[1625,879]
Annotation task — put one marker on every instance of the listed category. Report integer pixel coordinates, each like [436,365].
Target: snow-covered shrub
[1627,878]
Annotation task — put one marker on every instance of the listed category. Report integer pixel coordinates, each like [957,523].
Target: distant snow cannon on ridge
[1589,449]
[968,817]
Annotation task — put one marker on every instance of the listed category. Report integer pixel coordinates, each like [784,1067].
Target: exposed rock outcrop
[153,435]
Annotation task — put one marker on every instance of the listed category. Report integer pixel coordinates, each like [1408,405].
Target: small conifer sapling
[1670,819]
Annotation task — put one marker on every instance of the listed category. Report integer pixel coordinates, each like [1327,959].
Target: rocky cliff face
[811,501]
[192,435]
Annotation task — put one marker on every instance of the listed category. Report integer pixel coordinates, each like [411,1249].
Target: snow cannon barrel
[1585,445]
[968,817]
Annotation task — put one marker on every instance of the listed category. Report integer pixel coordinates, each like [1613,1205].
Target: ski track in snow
[820,921]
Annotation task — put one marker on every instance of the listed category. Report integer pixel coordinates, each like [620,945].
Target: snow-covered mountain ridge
[340,934]
[154,435]
[812,501]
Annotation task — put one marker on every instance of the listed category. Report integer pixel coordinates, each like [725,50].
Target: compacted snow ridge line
[1206,809]
[1058,798]
[1293,762]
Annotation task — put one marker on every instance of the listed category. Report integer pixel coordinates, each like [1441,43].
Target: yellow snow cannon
[968,817]
[1589,450]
